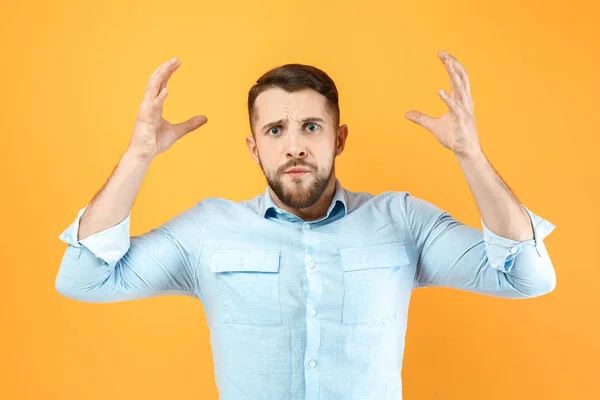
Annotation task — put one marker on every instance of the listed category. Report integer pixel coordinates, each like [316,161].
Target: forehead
[275,104]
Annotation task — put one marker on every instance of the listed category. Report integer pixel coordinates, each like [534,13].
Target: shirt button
[306,225]
[311,264]
[513,250]
[312,363]
[313,312]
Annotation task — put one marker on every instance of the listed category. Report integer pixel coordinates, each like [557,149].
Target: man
[306,287]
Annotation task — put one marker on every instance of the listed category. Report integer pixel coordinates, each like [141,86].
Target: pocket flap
[378,256]
[245,261]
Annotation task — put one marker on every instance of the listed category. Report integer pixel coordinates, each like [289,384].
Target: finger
[467,99]
[160,99]
[190,125]
[419,118]
[459,67]
[462,72]
[458,87]
[154,83]
[168,74]
[152,88]
[162,77]
[452,104]
[455,82]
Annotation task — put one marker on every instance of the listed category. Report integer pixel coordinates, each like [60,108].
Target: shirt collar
[338,201]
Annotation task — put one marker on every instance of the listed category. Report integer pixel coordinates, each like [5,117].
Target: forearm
[113,202]
[500,209]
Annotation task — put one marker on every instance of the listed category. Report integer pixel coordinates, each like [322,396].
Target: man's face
[295,131]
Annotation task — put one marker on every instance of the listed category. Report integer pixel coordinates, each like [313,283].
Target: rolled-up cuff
[109,245]
[501,251]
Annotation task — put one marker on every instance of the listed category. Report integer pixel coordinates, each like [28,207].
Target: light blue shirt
[305,310]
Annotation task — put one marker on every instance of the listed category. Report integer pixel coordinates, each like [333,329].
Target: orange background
[73,76]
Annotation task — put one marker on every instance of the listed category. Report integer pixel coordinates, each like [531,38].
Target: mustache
[295,163]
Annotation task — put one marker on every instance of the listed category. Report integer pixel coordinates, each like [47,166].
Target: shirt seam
[412,238]
[197,289]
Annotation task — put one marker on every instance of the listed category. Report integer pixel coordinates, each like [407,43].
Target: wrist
[134,157]
[470,155]
[138,155]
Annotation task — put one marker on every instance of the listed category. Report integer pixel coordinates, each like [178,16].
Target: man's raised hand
[456,129]
[153,134]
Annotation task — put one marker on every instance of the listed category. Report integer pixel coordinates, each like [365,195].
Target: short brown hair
[294,77]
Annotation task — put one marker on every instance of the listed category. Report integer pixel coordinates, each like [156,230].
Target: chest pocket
[373,275]
[248,284]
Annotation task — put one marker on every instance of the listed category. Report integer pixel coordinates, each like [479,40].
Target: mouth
[296,172]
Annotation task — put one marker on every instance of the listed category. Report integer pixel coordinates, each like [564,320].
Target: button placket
[313,299]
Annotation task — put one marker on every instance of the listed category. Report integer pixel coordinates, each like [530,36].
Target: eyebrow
[281,121]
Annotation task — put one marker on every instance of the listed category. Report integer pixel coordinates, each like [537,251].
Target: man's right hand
[152,133]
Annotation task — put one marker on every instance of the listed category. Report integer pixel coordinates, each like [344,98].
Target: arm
[152,135]
[508,225]
[501,211]
[112,204]
[101,263]
[456,130]
[452,254]
[509,259]
[109,266]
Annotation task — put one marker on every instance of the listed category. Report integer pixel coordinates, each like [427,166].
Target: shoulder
[390,202]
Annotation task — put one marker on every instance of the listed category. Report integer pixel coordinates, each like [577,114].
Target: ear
[340,140]
[251,144]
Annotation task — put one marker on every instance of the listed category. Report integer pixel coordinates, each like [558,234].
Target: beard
[299,197]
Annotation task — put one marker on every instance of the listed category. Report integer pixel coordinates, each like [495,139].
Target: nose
[295,146]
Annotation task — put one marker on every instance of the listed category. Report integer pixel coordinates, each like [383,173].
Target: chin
[298,185]
[306,177]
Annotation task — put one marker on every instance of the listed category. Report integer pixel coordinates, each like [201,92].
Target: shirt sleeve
[117,267]
[452,254]
[502,251]
[108,245]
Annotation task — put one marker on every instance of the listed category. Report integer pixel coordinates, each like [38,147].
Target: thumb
[191,124]
[421,119]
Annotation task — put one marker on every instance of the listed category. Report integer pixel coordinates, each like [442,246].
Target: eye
[312,127]
[274,130]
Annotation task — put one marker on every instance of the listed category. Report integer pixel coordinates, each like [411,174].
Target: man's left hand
[456,129]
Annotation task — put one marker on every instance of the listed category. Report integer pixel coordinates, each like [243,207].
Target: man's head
[294,117]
